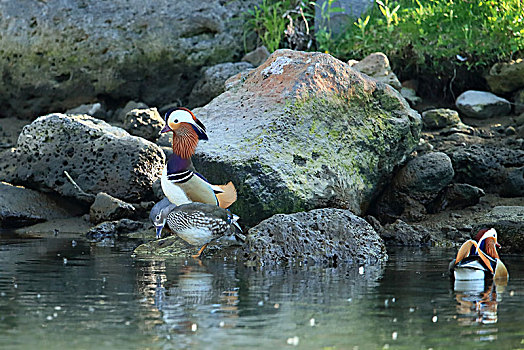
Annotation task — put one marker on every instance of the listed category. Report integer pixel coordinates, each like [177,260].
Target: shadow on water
[62,292]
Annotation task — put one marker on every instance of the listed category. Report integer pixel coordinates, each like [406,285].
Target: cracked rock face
[59,54]
[321,236]
[304,131]
[98,157]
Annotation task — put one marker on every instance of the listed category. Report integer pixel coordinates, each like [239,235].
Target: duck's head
[487,241]
[159,218]
[181,117]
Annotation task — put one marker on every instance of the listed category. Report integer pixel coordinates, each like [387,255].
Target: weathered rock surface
[506,77]
[257,56]
[145,123]
[321,236]
[212,82]
[98,157]
[377,66]
[108,208]
[440,118]
[456,196]
[482,104]
[59,54]
[117,229]
[400,233]
[304,131]
[518,99]
[484,166]
[514,184]
[509,223]
[23,207]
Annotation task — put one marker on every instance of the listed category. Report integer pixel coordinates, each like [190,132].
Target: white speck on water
[411,309]
[511,293]
[434,319]
[221,324]
[260,303]
[312,322]
[57,254]
[38,296]
[91,309]
[127,323]
[58,308]
[293,341]
[385,347]
[2,294]
[194,327]
[49,318]
[15,285]
[386,302]
[103,279]
[73,243]
[350,300]
[393,300]
[394,320]
[361,270]
[55,314]
[65,261]
[394,335]
[276,306]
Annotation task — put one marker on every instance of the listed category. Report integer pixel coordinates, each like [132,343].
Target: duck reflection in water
[477,301]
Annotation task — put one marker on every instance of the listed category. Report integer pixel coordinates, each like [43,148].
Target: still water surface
[60,294]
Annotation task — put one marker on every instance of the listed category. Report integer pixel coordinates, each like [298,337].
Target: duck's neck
[176,164]
[185,140]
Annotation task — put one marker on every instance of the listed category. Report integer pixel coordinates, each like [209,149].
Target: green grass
[419,37]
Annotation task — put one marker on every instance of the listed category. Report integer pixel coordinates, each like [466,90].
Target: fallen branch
[90,197]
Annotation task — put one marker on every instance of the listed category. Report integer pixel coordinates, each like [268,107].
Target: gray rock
[212,82]
[321,236]
[257,56]
[108,208]
[514,184]
[482,104]
[456,196]
[145,123]
[518,99]
[96,110]
[377,66]
[117,229]
[485,166]
[509,223]
[23,207]
[506,77]
[425,176]
[410,95]
[98,157]
[121,113]
[337,21]
[59,54]
[304,131]
[440,118]
[401,234]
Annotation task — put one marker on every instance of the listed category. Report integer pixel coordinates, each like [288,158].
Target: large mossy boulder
[304,131]
[57,55]
[97,156]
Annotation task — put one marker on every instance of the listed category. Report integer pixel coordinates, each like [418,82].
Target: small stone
[510,131]
[108,208]
[482,104]
[145,123]
[440,118]
[257,56]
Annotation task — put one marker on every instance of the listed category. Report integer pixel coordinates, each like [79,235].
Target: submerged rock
[482,104]
[321,236]
[23,207]
[59,54]
[98,157]
[304,131]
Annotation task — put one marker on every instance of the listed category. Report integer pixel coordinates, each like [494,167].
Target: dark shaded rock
[117,229]
[440,118]
[401,234]
[59,54]
[108,208]
[305,131]
[23,207]
[145,123]
[518,99]
[484,166]
[212,82]
[393,204]
[482,104]
[509,223]
[98,157]
[456,196]
[424,176]
[320,236]
[514,184]
[257,56]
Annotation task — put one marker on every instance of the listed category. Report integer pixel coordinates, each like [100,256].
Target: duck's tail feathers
[228,195]
[465,250]
[500,271]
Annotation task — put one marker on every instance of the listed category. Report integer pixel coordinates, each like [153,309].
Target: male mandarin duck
[197,223]
[179,182]
[478,258]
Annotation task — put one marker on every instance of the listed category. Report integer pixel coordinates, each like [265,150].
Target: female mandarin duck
[179,183]
[478,259]
[197,223]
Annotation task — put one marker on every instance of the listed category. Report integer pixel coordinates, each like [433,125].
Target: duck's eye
[175,121]
[158,217]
